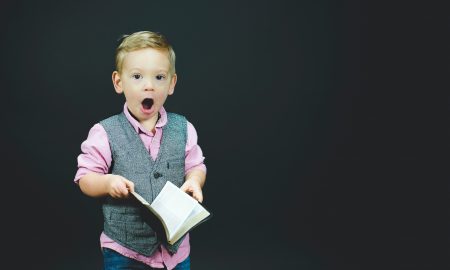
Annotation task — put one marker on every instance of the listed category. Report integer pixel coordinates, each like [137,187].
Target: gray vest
[122,219]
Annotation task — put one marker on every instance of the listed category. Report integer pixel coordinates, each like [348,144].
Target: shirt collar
[162,120]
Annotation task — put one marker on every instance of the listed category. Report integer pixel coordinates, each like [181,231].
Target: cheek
[131,95]
[161,97]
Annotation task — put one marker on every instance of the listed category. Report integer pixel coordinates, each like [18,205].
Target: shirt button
[157,175]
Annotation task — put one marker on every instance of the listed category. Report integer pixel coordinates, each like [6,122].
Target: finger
[124,190]
[129,185]
[117,193]
[121,188]
[198,195]
[184,187]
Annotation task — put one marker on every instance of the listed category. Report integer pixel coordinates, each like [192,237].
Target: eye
[136,76]
[160,77]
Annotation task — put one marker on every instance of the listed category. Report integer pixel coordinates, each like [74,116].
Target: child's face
[145,81]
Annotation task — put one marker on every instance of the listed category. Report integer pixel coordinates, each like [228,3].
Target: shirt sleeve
[194,155]
[95,153]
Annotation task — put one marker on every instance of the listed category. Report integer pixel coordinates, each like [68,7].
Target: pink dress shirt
[96,157]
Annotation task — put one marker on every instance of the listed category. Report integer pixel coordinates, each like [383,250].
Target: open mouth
[147,103]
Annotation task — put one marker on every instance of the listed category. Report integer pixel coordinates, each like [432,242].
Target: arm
[98,185]
[193,184]
[93,166]
[195,174]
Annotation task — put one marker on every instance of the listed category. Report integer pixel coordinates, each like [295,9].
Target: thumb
[184,187]
[129,185]
[198,195]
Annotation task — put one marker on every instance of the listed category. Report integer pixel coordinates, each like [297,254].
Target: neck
[150,124]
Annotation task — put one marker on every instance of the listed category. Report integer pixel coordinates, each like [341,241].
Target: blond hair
[143,40]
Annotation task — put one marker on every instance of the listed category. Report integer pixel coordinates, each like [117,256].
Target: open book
[177,212]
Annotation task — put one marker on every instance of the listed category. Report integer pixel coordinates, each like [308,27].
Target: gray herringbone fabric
[122,220]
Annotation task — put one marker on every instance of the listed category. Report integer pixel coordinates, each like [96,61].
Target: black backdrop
[317,119]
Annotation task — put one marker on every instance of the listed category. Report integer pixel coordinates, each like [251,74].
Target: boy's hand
[193,188]
[118,186]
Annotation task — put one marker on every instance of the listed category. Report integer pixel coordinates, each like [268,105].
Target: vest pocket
[133,231]
[125,215]
[140,231]
[175,171]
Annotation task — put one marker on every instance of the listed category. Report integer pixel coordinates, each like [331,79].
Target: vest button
[157,175]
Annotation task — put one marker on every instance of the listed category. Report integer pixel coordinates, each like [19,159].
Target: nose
[148,85]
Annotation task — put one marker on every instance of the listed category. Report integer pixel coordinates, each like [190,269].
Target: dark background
[324,127]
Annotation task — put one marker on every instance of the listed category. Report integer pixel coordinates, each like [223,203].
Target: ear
[173,82]
[117,82]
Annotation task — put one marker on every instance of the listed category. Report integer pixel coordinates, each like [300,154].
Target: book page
[198,214]
[173,206]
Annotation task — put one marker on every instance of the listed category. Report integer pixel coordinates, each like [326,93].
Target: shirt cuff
[200,167]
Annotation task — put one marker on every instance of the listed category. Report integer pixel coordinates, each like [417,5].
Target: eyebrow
[140,70]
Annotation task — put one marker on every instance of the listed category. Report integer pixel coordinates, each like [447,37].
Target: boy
[140,149]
